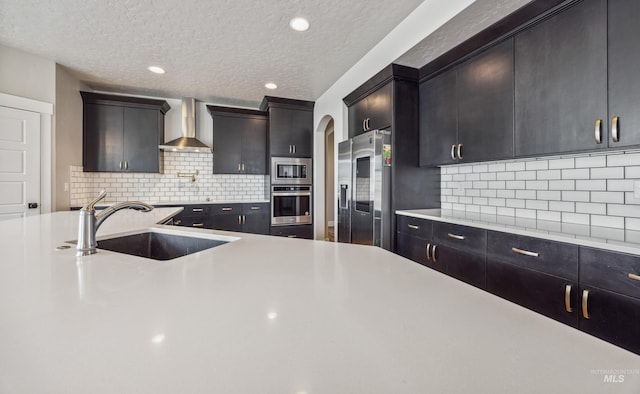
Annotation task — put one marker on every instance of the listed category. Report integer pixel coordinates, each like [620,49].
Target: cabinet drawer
[195,211]
[299,231]
[225,209]
[470,239]
[249,208]
[420,228]
[618,272]
[551,257]
[192,221]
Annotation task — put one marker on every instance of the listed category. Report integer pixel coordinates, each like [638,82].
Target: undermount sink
[162,245]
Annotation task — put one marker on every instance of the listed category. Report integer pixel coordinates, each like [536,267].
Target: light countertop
[270,315]
[616,240]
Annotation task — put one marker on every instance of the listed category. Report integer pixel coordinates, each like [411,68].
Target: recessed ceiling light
[156,69]
[270,85]
[299,24]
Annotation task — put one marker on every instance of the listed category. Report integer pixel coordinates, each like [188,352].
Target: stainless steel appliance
[291,205]
[290,171]
[365,189]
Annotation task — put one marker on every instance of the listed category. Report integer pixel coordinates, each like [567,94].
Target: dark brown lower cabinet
[612,317]
[467,267]
[540,292]
[300,231]
[412,248]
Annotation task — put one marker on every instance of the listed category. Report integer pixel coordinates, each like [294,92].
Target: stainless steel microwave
[290,171]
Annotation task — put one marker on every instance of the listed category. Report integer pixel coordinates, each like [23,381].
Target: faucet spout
[90,222]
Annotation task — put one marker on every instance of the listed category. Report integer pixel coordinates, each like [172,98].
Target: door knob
[33,205]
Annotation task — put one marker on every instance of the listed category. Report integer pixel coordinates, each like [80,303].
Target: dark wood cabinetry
[371,112]
[413,236]
[290,127]
[304,231]
[561,82]
[122,133]
[241,217]
[239,141]
[623,65]
[466,113]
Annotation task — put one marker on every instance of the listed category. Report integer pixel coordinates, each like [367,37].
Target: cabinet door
[257,218]
[612,317]
[103,138]
[561,82]
[438,119]
[357,115]
[290,132]
[467,267]
[485,104]
[254,146]
[227,144]
[412,248]
[624,63]
[379,108]
[141,140]
[226,222]
[534,290]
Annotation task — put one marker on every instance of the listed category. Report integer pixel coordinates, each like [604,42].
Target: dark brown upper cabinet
[239,141]
[561,82]
[122,134]
[624,63]
[466,113]
[371,112]
[290,126]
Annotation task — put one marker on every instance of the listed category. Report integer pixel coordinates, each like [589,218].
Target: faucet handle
[90,205]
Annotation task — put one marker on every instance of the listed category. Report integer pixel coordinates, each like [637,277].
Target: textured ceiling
[223,51]
[217,51]
[473,19]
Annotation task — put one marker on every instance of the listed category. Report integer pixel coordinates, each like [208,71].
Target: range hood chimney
[188,142]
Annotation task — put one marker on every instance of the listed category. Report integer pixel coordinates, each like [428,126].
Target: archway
[324,128]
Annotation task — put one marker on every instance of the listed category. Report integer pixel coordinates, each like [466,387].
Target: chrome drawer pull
[428,257]
[433,254]
[634,277]
[453,149]
[292,236]
[454,236]
[567,298]
[413,226]
[227,209]
[239,219]
[585,306]
[198,224]
[255,208]
[525,252]
[599,131]
[459,151]
[197,210]
[614,129]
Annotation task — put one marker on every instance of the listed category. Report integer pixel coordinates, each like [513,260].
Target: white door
[19,163]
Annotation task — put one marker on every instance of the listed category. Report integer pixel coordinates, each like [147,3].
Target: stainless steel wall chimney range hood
[188,142]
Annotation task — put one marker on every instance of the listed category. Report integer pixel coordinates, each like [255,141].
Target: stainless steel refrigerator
[364,177]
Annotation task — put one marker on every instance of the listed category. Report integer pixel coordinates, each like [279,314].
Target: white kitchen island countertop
[270,315]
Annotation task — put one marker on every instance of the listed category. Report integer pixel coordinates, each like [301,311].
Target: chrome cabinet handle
[239,219]
[525,252]
[177,222]
[126,164]
[367,123]
[120,164]
[614,129]
[294,148]
[255,208]
[585,305]
[198,225]
[411,226]
[244,219]
[227,209]
[364,128]
[634,277]
[428,257]
[433,254]
[567,298]
[598,133]
[453,151]
[242,167]
[238,167]
[292,236]
[197,210]
[454,236]
[459,151]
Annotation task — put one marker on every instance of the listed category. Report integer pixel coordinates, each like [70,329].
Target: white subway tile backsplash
[594,189]
[592,161]
[488,210]
[579,173]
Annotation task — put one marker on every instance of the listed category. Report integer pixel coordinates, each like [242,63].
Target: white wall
[429,16]
[25,75]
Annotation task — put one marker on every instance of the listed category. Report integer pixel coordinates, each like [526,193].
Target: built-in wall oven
[290,171]
[291,205]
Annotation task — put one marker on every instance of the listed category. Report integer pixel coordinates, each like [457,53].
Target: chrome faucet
[90,222]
